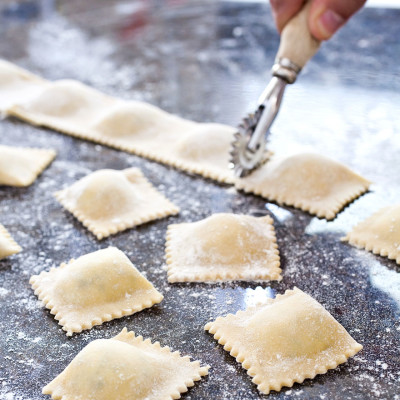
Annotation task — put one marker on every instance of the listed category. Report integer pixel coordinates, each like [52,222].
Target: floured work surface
[213,85]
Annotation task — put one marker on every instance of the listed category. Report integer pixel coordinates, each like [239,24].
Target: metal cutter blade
[243,160]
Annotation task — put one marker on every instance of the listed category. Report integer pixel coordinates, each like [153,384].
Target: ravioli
[308,181]
[17,85]
[66,105]
[135,122]
[148,131]
[380,233]
[21,166]
[8,246]
[74,109]
[205,151]
[223,247]
[109,201]
[126,367]
[289,339]
[95,288]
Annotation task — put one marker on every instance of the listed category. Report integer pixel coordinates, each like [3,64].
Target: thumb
[327,16]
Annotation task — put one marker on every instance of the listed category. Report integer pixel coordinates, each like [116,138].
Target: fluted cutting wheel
[243,161]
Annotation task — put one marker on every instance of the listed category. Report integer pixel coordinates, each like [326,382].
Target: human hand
[326,16]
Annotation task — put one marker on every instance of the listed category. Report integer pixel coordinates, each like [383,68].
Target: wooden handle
[297,44]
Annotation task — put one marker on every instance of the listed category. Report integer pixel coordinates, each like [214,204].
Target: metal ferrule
[270,102]
[285,69]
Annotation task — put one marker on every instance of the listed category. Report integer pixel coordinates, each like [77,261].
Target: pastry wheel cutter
[296,47]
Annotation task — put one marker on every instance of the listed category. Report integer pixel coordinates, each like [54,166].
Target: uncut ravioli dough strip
[8,246]
[94,288]
[287,340]
[223,247]
[20,166]
[72,108]
[128,368]
[308,181]
[380,233]
[110,201]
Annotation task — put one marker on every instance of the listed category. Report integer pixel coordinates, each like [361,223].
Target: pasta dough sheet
[8,246]
[72,108]
[95,288]
[379,233]
[223,247]
[126,367]
[287,340]
[308,181]
[109,201]
[21,166]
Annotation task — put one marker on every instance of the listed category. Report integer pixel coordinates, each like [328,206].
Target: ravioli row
[111,201]
[286,340]
[104,285]
[310,182]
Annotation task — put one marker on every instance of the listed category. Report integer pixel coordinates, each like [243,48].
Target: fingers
[284,10]
[327,16]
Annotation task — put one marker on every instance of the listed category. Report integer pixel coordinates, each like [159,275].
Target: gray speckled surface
[208,61]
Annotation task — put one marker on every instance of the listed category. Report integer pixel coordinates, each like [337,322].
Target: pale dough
[126,367]
[223,247]
[20,166]
[17,85]
[8,246]
[380,233]
[289,339]
[109,201]
[308,181]
[94,288]
[75,109]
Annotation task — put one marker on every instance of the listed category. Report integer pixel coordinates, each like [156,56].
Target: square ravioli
[308,181]
[126,367]
[20,166]
[223,247]
[287,340]
[109,201]
[95,288]
[8,246]
[75,109]
[380,233]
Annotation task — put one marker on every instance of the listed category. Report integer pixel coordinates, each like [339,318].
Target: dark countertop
[208,61]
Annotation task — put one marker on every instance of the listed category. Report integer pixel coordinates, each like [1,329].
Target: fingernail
[329,22]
